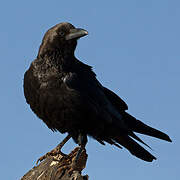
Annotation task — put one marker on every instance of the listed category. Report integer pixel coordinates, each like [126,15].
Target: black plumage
[65,94]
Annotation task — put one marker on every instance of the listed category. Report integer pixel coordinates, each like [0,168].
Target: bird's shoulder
[84,70]
[81,77]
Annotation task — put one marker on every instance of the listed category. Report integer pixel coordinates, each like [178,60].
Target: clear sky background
[134,48]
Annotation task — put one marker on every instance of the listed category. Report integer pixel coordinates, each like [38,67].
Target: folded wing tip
[169,140]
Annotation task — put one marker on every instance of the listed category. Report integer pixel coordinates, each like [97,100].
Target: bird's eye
[61,33]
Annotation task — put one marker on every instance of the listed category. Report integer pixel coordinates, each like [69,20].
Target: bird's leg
[56,150]
[82,141]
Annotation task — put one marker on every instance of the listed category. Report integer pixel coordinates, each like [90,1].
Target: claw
[79,153]
[55,151]
[41,159]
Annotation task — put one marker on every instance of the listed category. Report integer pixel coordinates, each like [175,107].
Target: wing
[119,128]
[132,123]
[115,100]
[90,88]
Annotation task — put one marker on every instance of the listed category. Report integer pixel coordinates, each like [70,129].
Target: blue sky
[133,47]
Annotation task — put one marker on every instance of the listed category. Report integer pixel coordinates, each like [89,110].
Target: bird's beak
[76,33]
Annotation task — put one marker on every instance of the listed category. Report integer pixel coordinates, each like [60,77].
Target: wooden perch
[59,168]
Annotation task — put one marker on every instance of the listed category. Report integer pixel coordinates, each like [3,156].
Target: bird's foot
[54,152]
[80,149]
[78,159]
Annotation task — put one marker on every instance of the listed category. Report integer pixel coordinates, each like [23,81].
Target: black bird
[65,94]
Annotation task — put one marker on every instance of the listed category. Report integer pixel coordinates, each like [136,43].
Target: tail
[134,148]
[124,138]
[137,126]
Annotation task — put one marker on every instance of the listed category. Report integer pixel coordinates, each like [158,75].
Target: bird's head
[61,37]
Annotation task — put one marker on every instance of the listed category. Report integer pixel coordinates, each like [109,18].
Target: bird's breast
[51,101]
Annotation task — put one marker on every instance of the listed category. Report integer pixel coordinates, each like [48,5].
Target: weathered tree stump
[59,168]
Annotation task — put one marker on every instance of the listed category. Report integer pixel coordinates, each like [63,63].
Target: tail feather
[138,139]
[140,127]
[135,148]
[108,140]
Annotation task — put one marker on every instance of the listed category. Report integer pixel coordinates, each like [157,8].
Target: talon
[41,159]
[79,153]
[52,153]
[55,151]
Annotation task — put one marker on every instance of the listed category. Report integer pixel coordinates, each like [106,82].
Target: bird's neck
[60,59]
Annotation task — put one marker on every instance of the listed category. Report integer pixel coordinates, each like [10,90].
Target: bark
[59,168]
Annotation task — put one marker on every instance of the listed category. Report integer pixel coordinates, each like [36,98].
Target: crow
[65,94]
